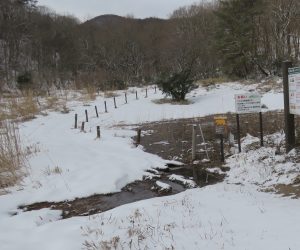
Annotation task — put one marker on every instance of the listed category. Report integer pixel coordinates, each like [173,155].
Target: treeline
[239,38]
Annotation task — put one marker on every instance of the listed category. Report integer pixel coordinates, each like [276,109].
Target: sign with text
[248,103]
[220,124]
[294,90]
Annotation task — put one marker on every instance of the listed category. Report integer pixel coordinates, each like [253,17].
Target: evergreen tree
[237,35]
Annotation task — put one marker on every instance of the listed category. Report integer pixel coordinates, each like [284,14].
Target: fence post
[76,118]
[125,98]
[105,106]
[238,132]
[96,111]
[82,126]
[98,131]
[146,93]
[86,116]
[138,138]
[194,143]
[154,89]
[115,102]
[136,95]
[261,129]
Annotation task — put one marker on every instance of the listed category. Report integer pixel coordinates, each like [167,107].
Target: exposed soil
[172,140]
[139,190]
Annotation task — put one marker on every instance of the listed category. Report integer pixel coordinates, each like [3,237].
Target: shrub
[177,85]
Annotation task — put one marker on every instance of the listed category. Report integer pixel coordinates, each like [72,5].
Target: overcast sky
[86,9]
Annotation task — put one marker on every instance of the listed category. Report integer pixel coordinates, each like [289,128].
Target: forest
[40,49]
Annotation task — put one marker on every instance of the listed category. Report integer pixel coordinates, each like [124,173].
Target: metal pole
[289,119]
[194,143]
[222,148]
[261,129]
[238,132]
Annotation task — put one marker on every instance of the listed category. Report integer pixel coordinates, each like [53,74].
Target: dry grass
[109,94]
[12,155]
[25,107]
[212,81]
[171,101]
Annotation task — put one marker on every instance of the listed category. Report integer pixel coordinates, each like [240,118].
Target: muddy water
[170,140]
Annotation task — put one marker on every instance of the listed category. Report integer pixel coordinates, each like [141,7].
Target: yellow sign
[221,124]
[220,120]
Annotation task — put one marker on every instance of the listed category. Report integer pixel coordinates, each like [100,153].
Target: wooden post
[154,89]
[125,98]
[115,102]
[105,106]
[194,143]
[146,93]
[82,126]
[238,132]
[222,148]
[98,131]
[138,138]
[76,118]
[136,96]
[86,116]
[96,111]
[289,118]
[261,129]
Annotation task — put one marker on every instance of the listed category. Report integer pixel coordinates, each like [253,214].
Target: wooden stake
[261,129]
[136,96]
[96,111]
[154,89]
[194,143]
[82,127]
[138,138]
[289,118]
[98,131]
[105,106]
[115,102]
[238,132]
[76,118]
[86,116]
[125,98]
[146,93]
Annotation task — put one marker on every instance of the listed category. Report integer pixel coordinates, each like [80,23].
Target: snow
[162,186]
[181,179]
[67,163]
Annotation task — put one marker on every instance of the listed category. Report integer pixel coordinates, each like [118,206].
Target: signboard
[294,90]
[220,124]
[247,103]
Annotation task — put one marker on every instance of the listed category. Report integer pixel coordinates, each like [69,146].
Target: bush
[177,85]
[24,81]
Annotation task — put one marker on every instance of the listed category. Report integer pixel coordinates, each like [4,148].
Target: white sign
[247,103]
[294,90]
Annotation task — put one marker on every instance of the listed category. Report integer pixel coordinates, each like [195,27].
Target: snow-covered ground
[69,164]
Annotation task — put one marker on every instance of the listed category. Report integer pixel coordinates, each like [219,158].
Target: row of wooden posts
[138,141]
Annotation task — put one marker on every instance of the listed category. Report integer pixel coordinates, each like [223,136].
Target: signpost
[294,90]
[221,126]
[290,90]
[248,103]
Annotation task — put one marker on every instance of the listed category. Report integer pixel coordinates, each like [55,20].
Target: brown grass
[171,101]
[12,155]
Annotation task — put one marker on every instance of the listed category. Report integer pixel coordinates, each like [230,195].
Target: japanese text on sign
[248,103]
[294,90]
